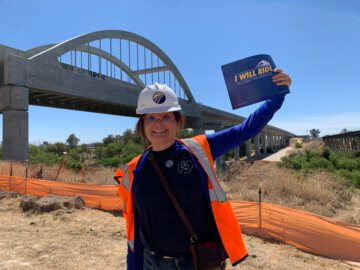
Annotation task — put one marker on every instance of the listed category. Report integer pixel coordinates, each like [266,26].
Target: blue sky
[316,42]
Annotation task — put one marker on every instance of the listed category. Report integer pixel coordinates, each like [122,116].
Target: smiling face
[160,129]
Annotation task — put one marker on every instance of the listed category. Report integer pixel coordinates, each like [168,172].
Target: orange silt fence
[309,232]
[96,196]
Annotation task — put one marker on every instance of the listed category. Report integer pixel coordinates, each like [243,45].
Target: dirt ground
[94,239]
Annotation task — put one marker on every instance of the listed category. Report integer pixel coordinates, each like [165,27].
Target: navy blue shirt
[160,226]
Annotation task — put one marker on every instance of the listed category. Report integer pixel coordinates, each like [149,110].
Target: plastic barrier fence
[306,231]
[102,197]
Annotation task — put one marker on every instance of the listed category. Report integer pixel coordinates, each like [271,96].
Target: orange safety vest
[226,223]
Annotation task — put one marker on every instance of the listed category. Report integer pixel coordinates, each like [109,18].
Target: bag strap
[193,237]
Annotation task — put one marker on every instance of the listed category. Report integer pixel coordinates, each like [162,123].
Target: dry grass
[320,193]
[313,144]
[100,176]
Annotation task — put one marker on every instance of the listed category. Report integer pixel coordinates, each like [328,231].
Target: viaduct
[101,72]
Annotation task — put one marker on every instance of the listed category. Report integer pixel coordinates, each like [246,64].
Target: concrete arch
[103,54]
[57,50]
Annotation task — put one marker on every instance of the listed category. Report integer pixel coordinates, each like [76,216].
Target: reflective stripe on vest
[131,244]
[126,179]
[217,193]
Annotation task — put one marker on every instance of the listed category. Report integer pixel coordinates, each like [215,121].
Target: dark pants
[153,263]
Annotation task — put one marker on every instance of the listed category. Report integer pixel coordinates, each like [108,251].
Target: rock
[50,203]
[27,203]
[8,194]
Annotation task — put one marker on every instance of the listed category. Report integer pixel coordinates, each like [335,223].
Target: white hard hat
[157,98]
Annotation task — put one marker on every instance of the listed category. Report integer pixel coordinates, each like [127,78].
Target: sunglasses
[168,118]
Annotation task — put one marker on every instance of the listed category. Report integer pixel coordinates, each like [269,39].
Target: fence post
[61,165]
[260,217]
[26,174]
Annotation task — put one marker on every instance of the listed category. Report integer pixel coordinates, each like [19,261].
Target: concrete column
[279,141]
[270,140]
[199,128]
[274,142]
[237,153]
[14,105]
[264,142]
[248,149]
[220,161]
[257,145]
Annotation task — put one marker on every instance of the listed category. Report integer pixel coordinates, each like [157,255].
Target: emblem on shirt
[185,166]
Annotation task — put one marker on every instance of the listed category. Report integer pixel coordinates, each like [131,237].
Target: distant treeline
[113,151]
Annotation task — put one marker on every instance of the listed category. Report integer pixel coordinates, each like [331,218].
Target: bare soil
[94,239]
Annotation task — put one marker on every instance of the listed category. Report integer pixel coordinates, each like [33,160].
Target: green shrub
[298,145]
[345,164]
[74,160]
[318,163]
[325,153]
[38,155]
[293,161]
[111,162]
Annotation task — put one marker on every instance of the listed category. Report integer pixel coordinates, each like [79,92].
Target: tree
[314,133]
[72,141]
[108,139]
[344,130]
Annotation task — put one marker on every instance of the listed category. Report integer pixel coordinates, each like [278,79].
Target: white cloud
[328,124]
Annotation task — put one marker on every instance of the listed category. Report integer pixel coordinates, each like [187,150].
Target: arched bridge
[100,72]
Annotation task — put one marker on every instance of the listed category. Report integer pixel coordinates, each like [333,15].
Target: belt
[162,257]
[166,257]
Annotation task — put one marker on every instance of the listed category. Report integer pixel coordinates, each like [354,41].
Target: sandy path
[278,155]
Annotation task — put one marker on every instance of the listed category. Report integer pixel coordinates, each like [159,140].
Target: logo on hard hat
[159,97]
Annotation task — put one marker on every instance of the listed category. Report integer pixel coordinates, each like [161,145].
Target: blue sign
[250,80]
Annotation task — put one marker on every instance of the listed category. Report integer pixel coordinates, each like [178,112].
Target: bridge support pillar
[279,141]
[264,142]
[220,161]
[248,149]
[237,153]
[14,105]
[270,141]
[199,128]
[257,145]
